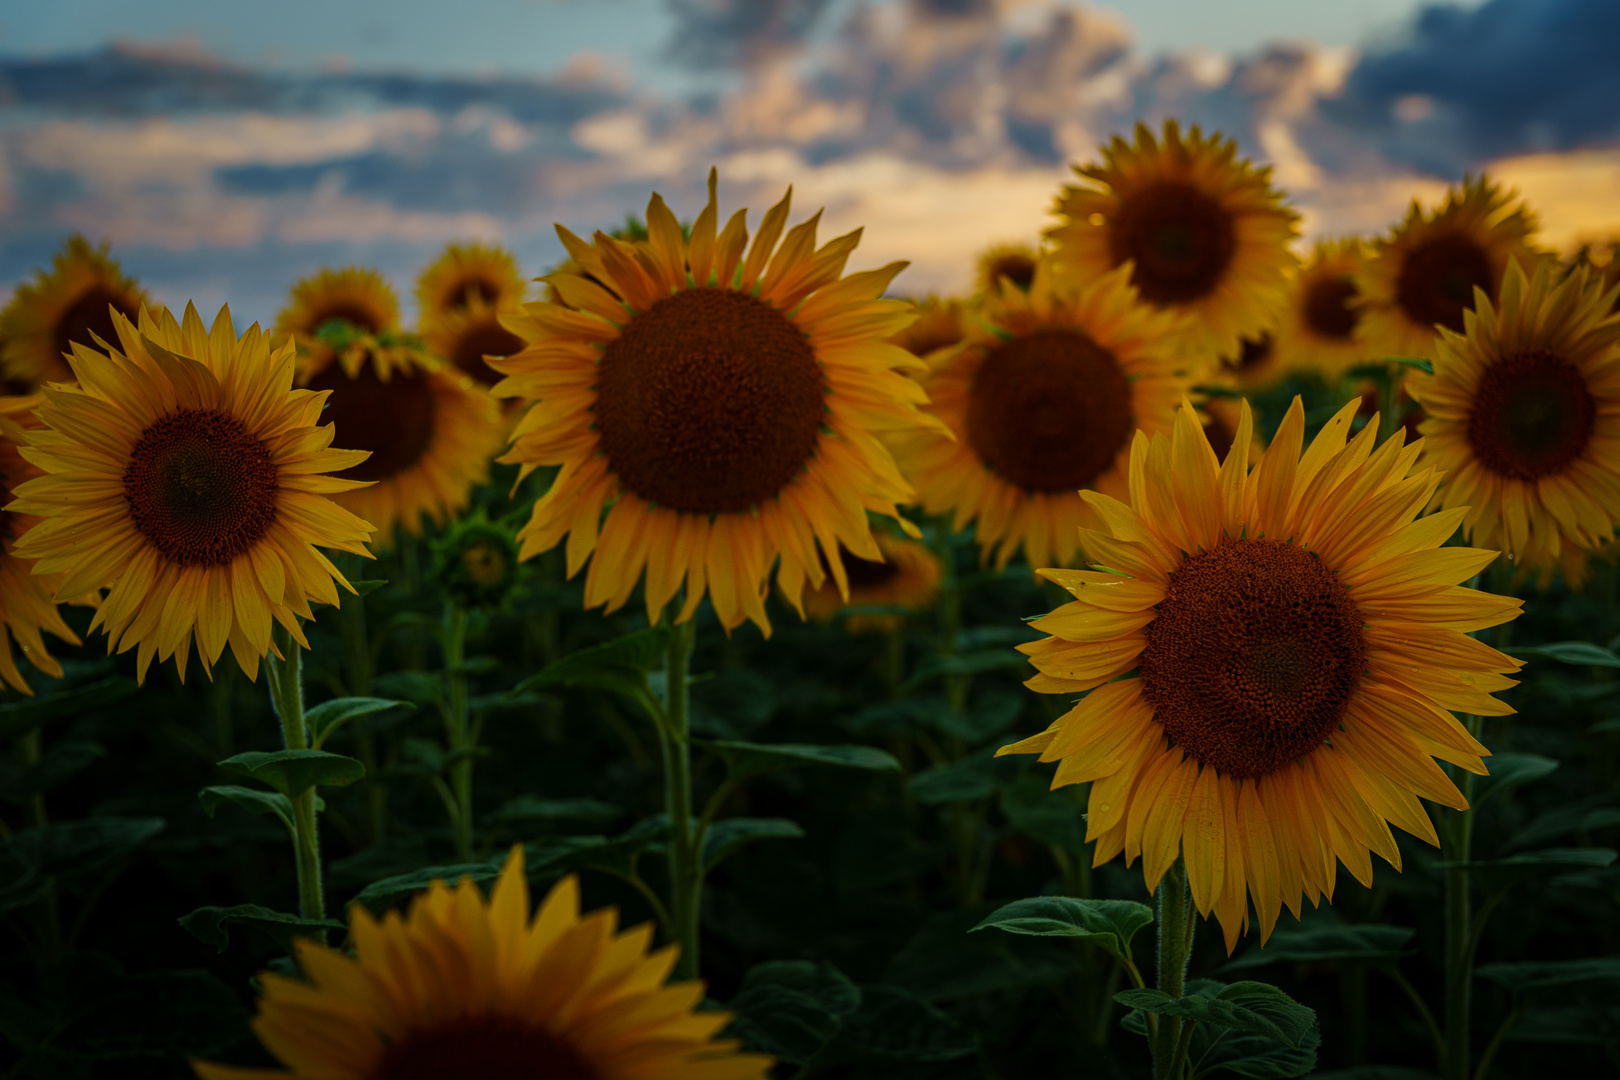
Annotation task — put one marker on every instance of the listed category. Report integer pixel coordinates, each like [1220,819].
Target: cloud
[746,33]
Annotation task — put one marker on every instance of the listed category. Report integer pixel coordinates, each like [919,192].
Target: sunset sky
[225,149]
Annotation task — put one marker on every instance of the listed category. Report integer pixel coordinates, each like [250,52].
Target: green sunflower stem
[1176,925]
[455,719]
[686,844]
[1460,943]
[287,696]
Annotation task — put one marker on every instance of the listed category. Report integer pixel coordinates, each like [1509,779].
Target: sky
[226,149]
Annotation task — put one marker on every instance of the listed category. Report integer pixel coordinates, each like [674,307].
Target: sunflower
[1012,264]
[1038,402]
[1205,233]
[26,606]
[464,276]
[906,577]
[941,322]
[1253,365]
[357,295]
[430,431]
[185,475]
[71,304]
[465,338]
[464,986]
[1317,331]
[1424,275]
[1523,415]
[727,409]
[1270,664]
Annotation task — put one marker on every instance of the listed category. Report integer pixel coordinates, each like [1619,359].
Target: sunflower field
[1193,653]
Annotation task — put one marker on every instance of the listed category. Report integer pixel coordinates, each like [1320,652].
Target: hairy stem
[287,696]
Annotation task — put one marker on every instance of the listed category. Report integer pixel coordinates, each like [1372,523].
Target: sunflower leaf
[1107,924]
[1500,875]
[1254,1008]
[1508,771]
[328,716]
[1569,652]
[1367,943]
[293,772]
[18,718]
[1543,974]
[252,800]
[620,666]
[367,587]
[1253,1056]
[747,759]
[209,925]
[791,1009]
[393,891]
[726,838]
[897,1023]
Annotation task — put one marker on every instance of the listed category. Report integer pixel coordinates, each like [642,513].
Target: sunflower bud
[476,563]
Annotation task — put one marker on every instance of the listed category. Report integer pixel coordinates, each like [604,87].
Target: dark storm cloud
[1508,77]
[727,33]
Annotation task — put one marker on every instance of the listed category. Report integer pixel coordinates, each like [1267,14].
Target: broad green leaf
[620,665]
[615,854]
[21,717]
[1367,943]
[328,716]
[1255,1008]
[293,772]
[1500,875]
[725,838]
[791,1009]
[897,1023]
[940,665]
[1254,1056]
[1108,924]
[253,800]
[1508,771]
[1541,974]
[368,586]
[394,891]
[747,759]
[209,924]
[534,808]
[1569,652]
[968,780]
[1045,816]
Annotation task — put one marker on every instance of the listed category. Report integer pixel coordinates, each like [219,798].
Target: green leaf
[1542,974]
[368,586]
[62,760]
[104,1015]
[1500,875]
[29,858]
[209,925]
[392,892]
[534,808]
[1569,652]
[986,718]
[1255,1008]
[614,854]
[1583,817]
[1107,924]
[1605,727]
[725,838]
[293,772]
[747,759]
[619,666]
[21,717]
[328,716]
[968,780]
[897,1023]
[253,800]
[1375,1072]
[1508,771]
[940,665]
[791,1009]
[422,687]
[1048,817]
[1253,1056]
[1365,943]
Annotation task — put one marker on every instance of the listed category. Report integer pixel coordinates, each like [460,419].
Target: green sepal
[1108,924]
[328,716]
[748,759]
[293,772]
[1372,943]
[209,925]
[729,836]
[1255,1008]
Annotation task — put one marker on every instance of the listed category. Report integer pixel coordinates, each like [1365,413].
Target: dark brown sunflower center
[1533,414]
[200,487]
[1049,411]
[348,311]
[393,419]
[1254,654]
[485,1047]
[91,314]
[1437,280]
[709,402]
[1013,268]
[1327,307]
[476,288]
[486,337]
[1181,239]
[1253,354]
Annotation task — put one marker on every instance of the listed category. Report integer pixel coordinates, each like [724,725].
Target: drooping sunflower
[464,986]
[1038,402]
[186,476]
[907,577]
[1270,665]
[26,606]
[725,412]
[941,322]
[1204,231]
[1523,415]
[70,304]
[468,275]
[1013,264]
[1423,275]
[1318,329]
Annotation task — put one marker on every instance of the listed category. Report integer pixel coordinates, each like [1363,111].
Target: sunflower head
[1269,663]
[468,986]
[1005,266]
[468,276]
[26,606]
[1521,415]
[725,400]
[1319,330]
[186,476]
[476,562]
[940,324]
[71,304]
[1254,364]
[467,338]
[1202,230]
[1426,274]
[1038,403]
[907,577]
[356,295]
